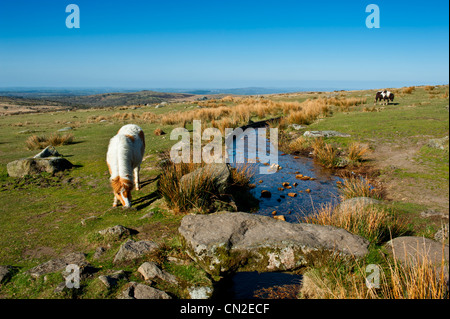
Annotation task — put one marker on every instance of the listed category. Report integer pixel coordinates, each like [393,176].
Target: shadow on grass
[145,201]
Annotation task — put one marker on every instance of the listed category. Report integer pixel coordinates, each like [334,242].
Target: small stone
[266,194]
[111,280]
[308,190]
[281,189]
[200,292]
[99,252]
[115,232]
[280,217]
[5,273]
[292,194]
[274,212]
[285,184]
[140,291]
[149,270]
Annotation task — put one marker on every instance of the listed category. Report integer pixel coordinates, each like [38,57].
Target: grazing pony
[384,96]
[124,157]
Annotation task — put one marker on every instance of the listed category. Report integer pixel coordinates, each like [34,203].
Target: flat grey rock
[416,249]
[132,250]
[59,264]
[325,134]
[222,242]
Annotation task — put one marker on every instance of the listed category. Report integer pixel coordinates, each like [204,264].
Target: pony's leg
[136,177]
[115,201]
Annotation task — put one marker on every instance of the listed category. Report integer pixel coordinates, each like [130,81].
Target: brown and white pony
[124,157]
[384,97]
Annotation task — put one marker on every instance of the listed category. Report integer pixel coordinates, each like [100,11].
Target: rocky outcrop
[224,242]
[48,160]
[32,166]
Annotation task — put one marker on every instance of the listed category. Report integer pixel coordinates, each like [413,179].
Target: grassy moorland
[41,216]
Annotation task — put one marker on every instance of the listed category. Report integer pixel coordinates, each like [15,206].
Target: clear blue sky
[222,43]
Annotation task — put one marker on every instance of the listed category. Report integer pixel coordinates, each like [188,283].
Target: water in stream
[322,190]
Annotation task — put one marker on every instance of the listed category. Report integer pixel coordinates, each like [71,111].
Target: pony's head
[122,190]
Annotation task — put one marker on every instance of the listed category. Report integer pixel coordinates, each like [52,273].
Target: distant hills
[104,97]
[75,99]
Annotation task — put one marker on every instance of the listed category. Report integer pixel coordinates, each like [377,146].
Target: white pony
[124,157]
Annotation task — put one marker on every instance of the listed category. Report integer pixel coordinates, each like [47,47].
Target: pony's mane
[118,183]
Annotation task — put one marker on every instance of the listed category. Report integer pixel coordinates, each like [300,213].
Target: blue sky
[223,43]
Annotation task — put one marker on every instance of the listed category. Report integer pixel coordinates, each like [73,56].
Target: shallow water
[244,285]
[323,190]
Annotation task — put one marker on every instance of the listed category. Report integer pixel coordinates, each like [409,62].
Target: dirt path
[389,158]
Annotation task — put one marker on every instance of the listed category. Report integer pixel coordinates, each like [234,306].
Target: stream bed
[311,194]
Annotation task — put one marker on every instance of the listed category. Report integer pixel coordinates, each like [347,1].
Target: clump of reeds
[181,198]
[35,142]
[299,145]
[357,187]
[422,278]
[243,174]
[356,152]
[374,223]
[325,153]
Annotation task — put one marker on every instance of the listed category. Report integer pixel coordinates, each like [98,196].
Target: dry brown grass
[374,223]
[357,187]
[356,152]
[422,279]
[243,174]
[408,90]
[429,88]
[36,142]
[324,153]
[299,145]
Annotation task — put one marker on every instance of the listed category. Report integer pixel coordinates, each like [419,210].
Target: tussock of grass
[299,145]
[420,280]
[196,194]
[371,222]
[356,152]
[357,187]
[340,277]
[325,154]
[36,142]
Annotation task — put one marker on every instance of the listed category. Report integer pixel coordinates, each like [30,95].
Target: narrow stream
[310,195]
